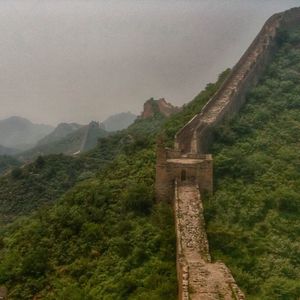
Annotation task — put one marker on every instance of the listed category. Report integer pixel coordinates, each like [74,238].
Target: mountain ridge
[119,121]
[59,132]
[20,133]
[78,140]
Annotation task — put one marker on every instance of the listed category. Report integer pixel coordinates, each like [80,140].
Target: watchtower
[172,166]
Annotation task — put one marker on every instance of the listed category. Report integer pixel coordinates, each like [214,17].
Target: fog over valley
[77,61]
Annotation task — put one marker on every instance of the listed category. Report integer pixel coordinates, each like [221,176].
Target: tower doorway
[183,175]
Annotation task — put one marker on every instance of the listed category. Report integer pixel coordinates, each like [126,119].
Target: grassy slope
[253,218]
[105,238]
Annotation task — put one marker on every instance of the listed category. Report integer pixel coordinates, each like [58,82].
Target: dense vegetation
[7,162]
[253,218]
[42,182]
[105,238]
[101,241]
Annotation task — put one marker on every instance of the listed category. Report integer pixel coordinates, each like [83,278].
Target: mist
[83,60]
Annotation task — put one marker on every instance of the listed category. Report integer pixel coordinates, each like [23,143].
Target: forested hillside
[253,218]
[69,144]
[42,182]
[105,238]
[7,162]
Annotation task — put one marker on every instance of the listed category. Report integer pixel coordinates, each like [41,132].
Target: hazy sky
[82,60]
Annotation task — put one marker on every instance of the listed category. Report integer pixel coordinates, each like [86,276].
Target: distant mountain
[7,151]
[20,133]
[119,121]
[61,131]
[78,141]
[43,181]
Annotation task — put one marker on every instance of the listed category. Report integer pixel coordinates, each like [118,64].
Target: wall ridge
[185,172]
[198,277]
[196,135]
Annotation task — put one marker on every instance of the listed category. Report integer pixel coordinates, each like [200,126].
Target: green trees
[105,239]
[253,218]
[16,173]
[7,162]
[138,198]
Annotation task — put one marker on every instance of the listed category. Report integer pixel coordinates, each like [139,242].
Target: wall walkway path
[200,279]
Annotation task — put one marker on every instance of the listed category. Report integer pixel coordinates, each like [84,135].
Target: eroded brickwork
[198,277]
[197,135]
[184,173]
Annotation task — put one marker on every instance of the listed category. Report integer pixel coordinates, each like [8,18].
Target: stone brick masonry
[183,173]
[199,278]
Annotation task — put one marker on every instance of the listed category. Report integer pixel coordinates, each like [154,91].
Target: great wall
[186,172]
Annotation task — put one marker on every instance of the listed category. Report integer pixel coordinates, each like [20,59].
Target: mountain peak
[20,133]
[61,131]
[119,121]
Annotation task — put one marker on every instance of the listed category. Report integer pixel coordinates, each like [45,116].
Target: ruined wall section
[198,277]
[183,174]
[91,136]
[197,135]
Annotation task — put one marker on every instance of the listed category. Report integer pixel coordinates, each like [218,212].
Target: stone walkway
[201,279]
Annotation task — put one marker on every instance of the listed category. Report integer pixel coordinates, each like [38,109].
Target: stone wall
[198,277]
[181,263]
[171,166]
[91,136]
[197,135]
[184,173]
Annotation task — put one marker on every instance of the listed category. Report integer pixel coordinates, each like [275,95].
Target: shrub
[138,198]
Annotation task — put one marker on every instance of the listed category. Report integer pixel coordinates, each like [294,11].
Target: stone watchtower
[173,166]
